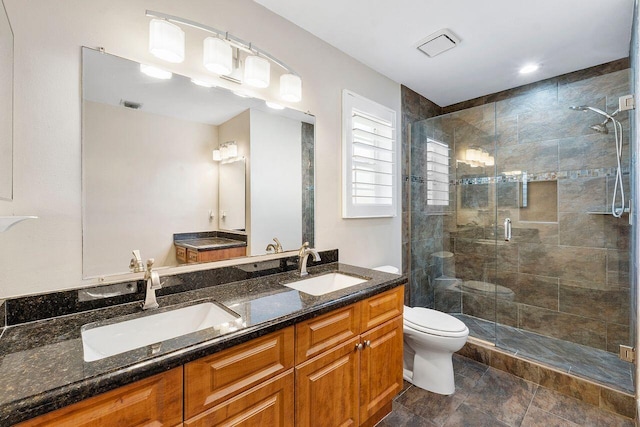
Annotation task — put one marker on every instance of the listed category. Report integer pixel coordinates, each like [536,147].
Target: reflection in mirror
[231,196]
[6,106]
[148,171]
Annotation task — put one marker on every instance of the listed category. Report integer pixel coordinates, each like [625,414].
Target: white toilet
[430,339]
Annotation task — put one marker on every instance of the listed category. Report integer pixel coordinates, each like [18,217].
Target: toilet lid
[434,322]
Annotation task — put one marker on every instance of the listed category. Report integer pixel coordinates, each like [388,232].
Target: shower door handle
[507,229]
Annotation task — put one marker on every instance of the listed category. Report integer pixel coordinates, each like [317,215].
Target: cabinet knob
[367,343]
[358,346]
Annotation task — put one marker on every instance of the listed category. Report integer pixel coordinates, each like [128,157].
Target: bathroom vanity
[291,347]
[209,246]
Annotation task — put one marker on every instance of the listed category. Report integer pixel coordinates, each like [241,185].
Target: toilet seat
[434,322]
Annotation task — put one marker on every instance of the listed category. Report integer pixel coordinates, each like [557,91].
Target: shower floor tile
[593,364]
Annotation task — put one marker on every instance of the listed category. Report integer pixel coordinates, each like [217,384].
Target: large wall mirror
[6,106]
[148,171]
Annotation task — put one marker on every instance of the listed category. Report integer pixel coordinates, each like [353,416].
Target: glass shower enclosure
[512,228]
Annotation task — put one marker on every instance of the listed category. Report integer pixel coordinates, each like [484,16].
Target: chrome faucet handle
[153,282]
[136,264]
[303,248]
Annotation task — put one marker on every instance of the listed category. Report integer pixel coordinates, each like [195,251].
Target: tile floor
[601,366]
[488,397]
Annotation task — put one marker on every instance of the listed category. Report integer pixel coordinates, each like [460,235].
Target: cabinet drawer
[321,333]
[156,401]
[381,308]
[212,379]
[269,404]
[181,254]
[192,256]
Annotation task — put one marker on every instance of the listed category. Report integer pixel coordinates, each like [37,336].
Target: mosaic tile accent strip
[533,177]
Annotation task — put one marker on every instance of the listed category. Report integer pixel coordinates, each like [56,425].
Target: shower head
[595,110]
[601,127]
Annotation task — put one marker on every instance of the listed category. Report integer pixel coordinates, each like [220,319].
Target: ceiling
[498,37]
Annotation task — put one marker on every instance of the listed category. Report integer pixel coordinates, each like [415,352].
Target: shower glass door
[562,277]
[453,217]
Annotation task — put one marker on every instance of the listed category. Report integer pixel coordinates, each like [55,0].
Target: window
[369,153]
[437,173]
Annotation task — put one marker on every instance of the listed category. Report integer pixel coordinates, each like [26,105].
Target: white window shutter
[369,158]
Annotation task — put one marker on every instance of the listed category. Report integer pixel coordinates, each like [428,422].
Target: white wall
[146,177]
[46,254]
[276,174]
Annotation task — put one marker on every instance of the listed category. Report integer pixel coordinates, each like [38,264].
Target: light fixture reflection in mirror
[161,178]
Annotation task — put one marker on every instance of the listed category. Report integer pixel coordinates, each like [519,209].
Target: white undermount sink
[104,341]
[324,284]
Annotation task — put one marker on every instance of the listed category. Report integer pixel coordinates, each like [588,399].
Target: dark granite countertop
[209,243]
[42,366]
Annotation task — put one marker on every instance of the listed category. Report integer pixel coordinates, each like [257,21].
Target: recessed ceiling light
[529,68]
[155,72]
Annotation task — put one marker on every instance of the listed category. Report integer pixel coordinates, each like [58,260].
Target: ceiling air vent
[438,42]
[130,104]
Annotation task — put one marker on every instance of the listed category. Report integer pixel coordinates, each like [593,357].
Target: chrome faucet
[303,254]
[277,248]
[136,264]
[153,283]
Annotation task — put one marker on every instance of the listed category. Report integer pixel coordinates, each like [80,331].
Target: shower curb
[565,383]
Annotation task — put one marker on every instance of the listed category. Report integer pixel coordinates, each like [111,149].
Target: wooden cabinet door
[382,308]
[155,401]
[380,367]
[269,404]
[327,388]
[321,333]
[212,379]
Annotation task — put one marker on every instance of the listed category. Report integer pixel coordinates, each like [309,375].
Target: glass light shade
[224,152]
[155,72]
[472,155]
[257,71]
[216,155]
[232,150]
[166,40]
[290,88]
[217,56]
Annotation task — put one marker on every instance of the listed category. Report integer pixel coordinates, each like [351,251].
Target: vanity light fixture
[166,40]
[155,72]
[290,87]
[257,71]
[219,58]
[477,157]
[226,151]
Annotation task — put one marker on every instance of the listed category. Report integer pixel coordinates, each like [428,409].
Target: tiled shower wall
[415,108]
[565,273]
